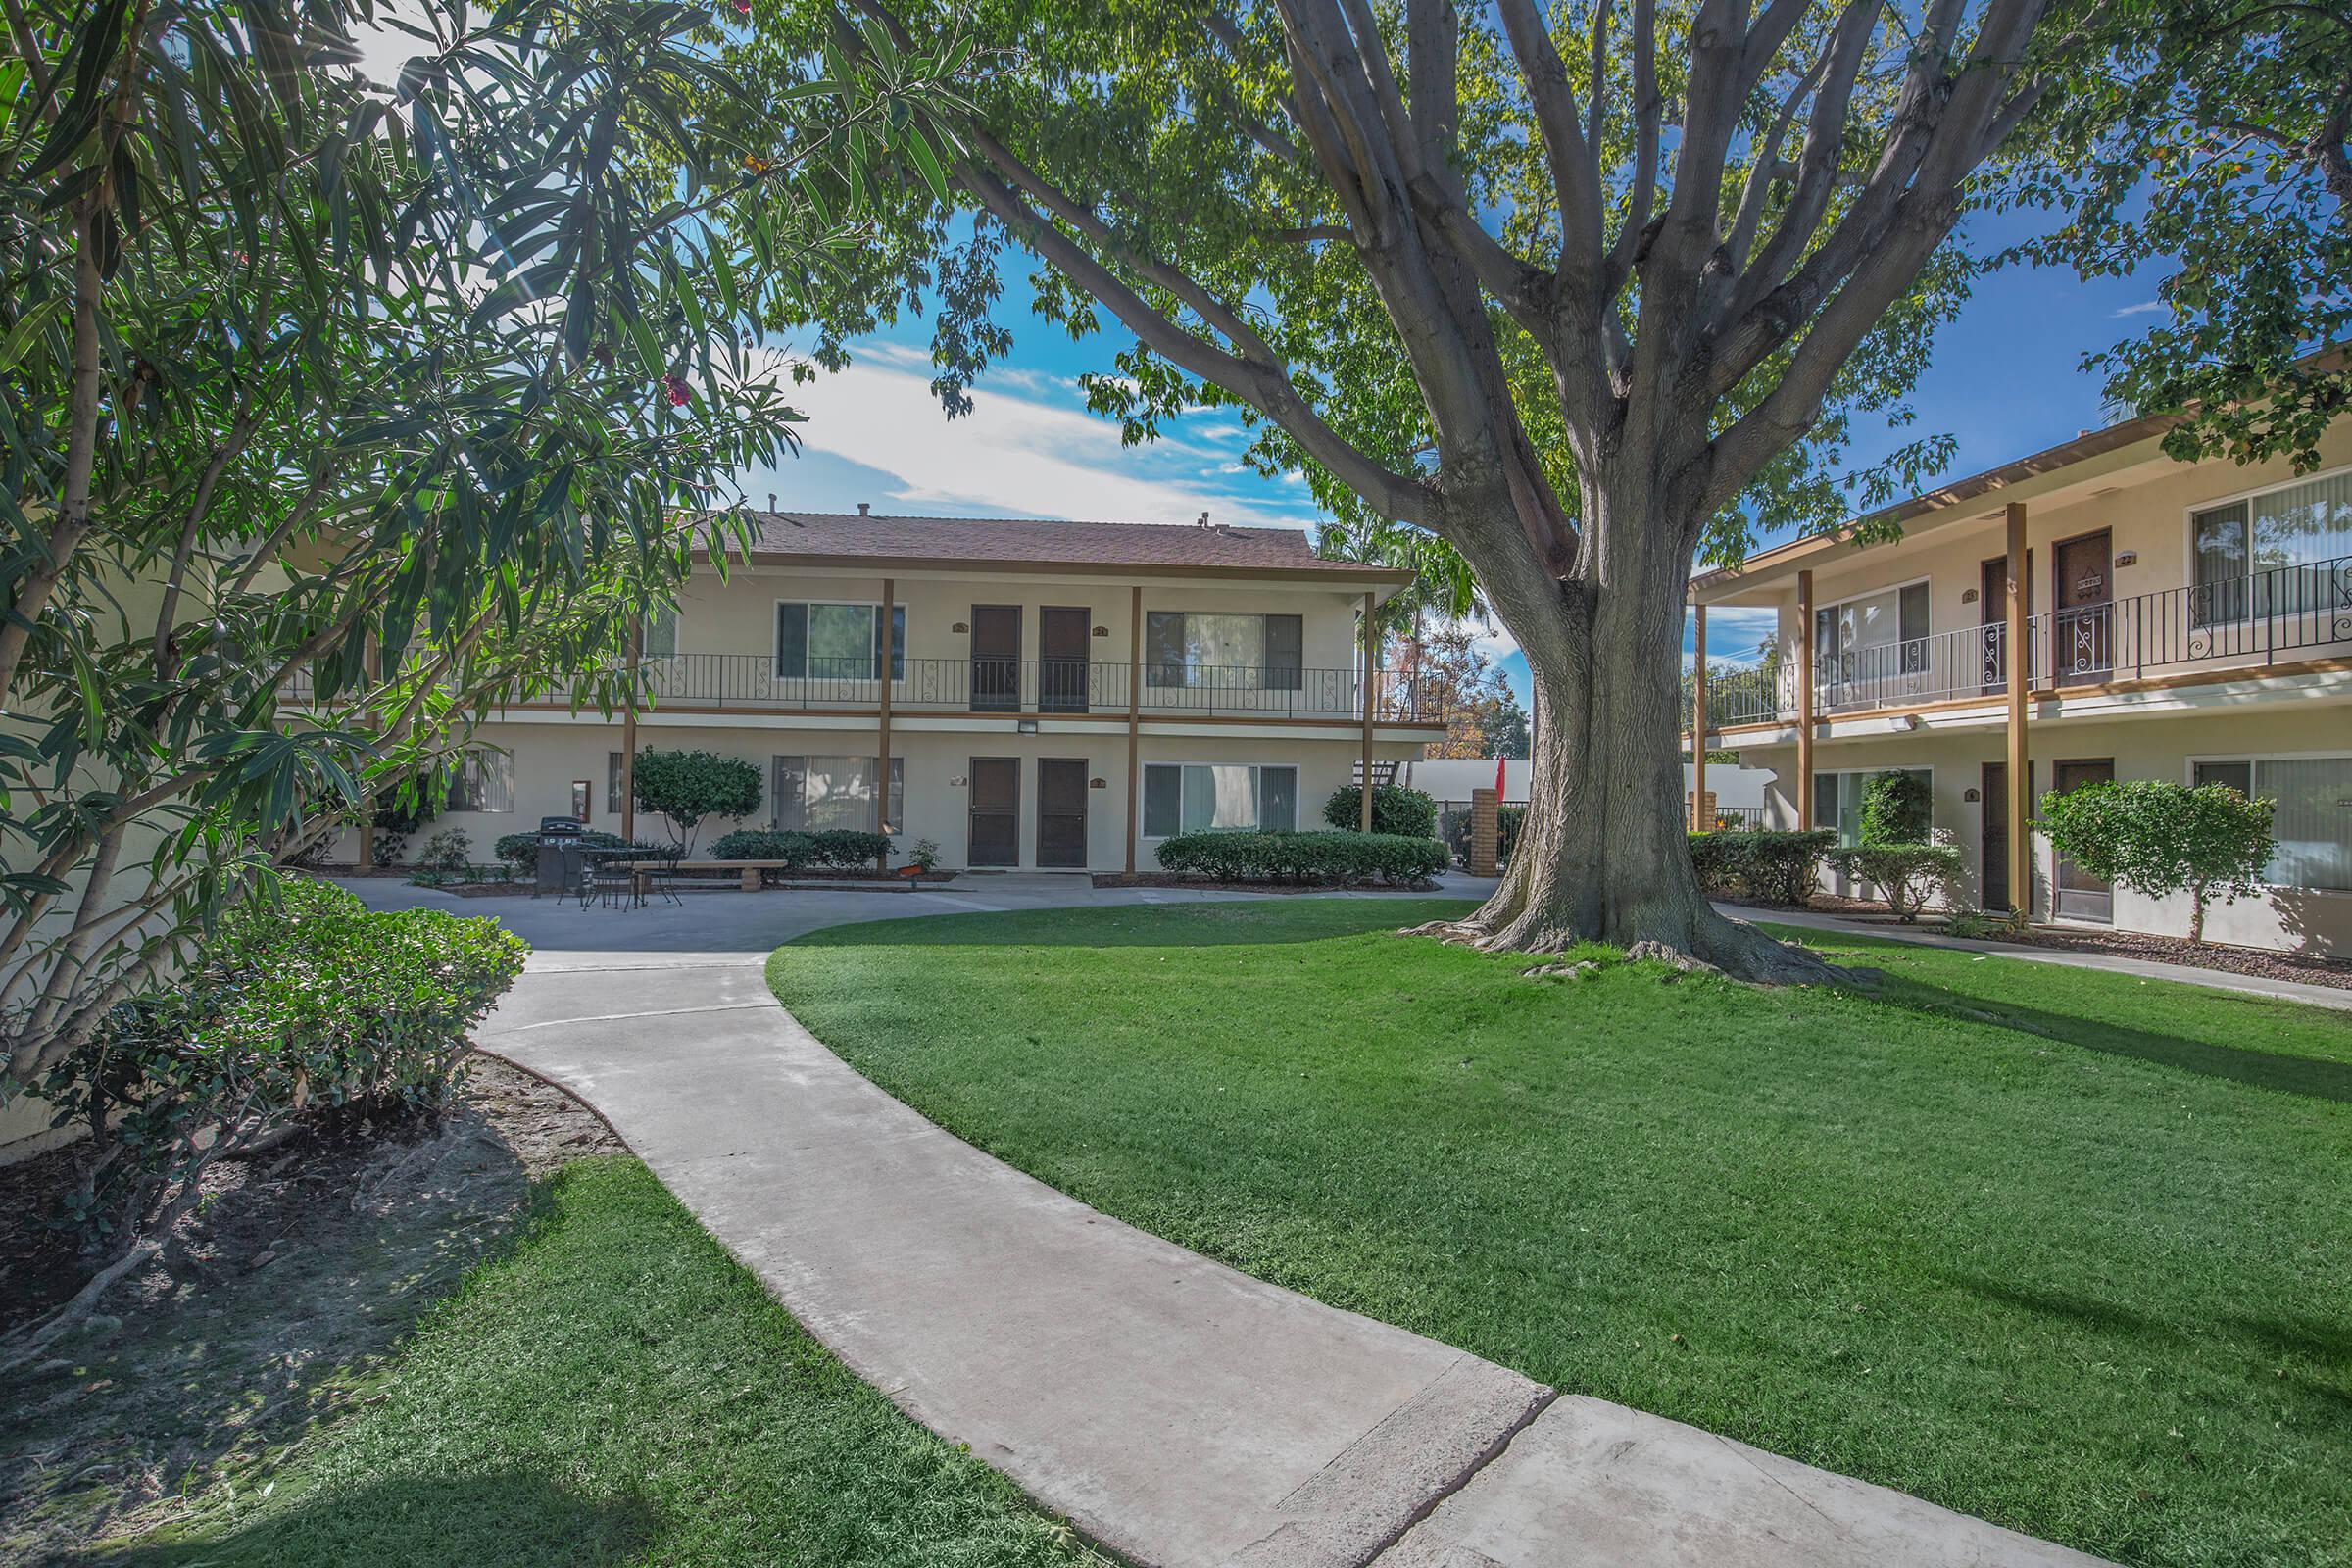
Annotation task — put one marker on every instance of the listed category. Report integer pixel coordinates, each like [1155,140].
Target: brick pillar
[1702,809]
[1485,832]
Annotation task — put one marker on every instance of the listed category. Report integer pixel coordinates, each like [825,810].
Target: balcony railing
[2284,612]
[698,682]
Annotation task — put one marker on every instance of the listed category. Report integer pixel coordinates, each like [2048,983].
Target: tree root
[28,1343]
[1731,948]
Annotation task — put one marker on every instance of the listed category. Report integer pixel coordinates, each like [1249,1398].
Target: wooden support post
[1698,720]
[1371,674]
[1135,711]
[372,667]
[890,593]
[628,736]
[2018,654]
[1805,699]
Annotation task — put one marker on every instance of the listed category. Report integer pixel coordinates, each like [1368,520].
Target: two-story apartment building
[1031,695]
[2175,620]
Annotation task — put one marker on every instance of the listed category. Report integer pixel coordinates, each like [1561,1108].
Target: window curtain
[2314,821]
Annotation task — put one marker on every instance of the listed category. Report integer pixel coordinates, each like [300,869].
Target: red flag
[1499,778]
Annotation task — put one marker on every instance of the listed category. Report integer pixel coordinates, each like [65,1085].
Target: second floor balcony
[752,683]
[2283,614]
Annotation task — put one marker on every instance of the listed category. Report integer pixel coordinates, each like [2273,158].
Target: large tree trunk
[1602,854]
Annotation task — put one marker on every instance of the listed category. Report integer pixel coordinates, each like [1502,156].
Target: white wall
[1452,778]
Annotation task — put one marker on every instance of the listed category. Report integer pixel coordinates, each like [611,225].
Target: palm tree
[1443,588]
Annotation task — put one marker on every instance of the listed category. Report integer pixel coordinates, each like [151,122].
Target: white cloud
[1020,453]
[1733,631]
[2143,308]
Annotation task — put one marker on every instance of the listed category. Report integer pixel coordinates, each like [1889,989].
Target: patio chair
[610,883]
[663,873]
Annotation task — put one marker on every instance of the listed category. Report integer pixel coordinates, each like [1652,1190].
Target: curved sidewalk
[1178,1411]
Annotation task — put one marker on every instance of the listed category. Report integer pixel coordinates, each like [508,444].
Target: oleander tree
[1588,290]
[336,407]
[2218,143]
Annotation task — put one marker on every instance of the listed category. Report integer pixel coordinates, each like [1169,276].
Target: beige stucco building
[1060,695]
[2181,621]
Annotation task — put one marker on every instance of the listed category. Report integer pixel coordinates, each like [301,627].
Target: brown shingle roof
[1045,543]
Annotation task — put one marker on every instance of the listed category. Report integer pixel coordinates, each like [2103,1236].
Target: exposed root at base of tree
[1747,955]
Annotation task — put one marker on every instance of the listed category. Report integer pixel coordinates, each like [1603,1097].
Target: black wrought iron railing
[2275,614]
[1019,686]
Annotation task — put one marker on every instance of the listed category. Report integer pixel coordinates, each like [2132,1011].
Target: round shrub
[691,787]
[1911,875]
[1897,808]
[1334,859]
[1395,810]
[1778,867]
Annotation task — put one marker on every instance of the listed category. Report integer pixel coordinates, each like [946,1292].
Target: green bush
[836,849]
[305,1002]
[691,787]
[521,849]
[1778,867]
[1911,875]
[1395,810]
[1338,859]
[2159,838]
[450,850]
[1897,808]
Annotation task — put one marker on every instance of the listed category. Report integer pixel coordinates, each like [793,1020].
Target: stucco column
[1805,699]
[1698,720]
[1371,671]
[2021,767]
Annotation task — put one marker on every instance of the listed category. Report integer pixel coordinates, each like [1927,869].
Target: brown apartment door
[1061,813]
[2080,896]
[2084,629]
[997,659]
[996,826]
[1993,604]
[1993,833]
[1061,654]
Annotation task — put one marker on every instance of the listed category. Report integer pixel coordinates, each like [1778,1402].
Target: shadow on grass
[420,1522]
[2312,1076]
[1268,921]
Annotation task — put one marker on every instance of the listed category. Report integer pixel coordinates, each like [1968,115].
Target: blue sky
[2004,381]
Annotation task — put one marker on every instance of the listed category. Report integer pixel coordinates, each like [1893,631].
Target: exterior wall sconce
[1025,726]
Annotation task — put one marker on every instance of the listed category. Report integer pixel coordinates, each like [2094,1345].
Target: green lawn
[2069,1250]
[617,1390]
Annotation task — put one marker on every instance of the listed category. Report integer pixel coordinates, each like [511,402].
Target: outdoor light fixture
[1025,726]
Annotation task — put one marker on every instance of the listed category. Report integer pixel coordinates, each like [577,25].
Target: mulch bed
[265,1317]
[2259,963]
[1164,879]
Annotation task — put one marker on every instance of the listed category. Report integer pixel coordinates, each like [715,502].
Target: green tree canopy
[2159,837]
[334,410]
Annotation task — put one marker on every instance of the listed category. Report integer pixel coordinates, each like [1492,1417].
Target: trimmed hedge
[1338,859]
[307,1001]
[1776,867]
[832,849]
[1910,874]
[1395,810]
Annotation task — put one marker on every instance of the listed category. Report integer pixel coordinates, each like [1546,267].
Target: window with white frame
[612,761]
[1207,796]
[814,793]
[2268,554]
[1195,648]
[1838,799]
[659,639]
[1873,636]
[483,781]
[2313,824]
[817,641]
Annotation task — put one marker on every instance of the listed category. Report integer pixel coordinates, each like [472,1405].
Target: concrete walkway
[2318,996]
[1178,1411]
